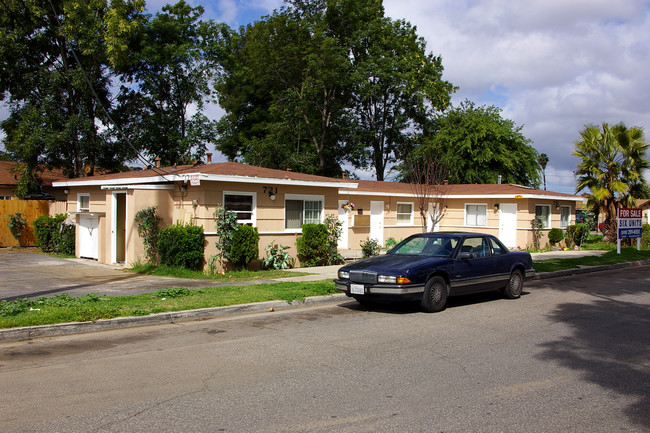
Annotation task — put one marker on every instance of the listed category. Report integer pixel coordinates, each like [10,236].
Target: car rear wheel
[515,285]
[434,298]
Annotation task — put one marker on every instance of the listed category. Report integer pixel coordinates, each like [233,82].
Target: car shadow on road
[609,343]
[409,307]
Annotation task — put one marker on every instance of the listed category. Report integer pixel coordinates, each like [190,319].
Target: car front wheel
[434,298]
[515,285]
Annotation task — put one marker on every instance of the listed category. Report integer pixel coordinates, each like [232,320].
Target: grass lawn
[63,308]
[178,272]
[609,258]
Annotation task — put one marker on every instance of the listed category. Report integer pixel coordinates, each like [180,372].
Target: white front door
[377,221]
[88,236]
[343,218]
[508,224]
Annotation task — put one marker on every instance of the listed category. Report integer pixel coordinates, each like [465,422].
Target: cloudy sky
[552,66]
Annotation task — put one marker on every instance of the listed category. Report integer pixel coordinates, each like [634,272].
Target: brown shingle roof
[459,189]
[9,179]
[219,168]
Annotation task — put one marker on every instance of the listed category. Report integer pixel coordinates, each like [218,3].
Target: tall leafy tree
[54,75]
[282,85]
[321,82]
[480,145]
[168,72]
[612,161]
[396,86]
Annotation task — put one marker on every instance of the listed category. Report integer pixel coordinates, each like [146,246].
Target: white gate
[88,236]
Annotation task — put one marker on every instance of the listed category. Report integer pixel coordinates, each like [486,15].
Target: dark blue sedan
[430,267]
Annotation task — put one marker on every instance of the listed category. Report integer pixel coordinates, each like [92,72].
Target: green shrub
[277,257]
[149,221]
[17,224]
[390,243]
[370,247]
[43,232]
[577,233]
[555,235]
[52,235]
[537,225]
[63,237]
[181,245]
[245,245]
[313,246]
[334,230]
[226,223]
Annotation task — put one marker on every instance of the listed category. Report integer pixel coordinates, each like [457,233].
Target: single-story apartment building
[279,202]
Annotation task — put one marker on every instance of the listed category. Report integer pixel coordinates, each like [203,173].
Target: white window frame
[253,220]
[545,224]
[467,222]
[410,214]
[564,224]
[82,209]
[303,198]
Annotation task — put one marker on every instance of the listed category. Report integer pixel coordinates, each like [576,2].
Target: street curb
[31,332]
[589,269]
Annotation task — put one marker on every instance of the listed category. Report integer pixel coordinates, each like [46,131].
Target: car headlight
[345,275]
[392,280]
[386,279]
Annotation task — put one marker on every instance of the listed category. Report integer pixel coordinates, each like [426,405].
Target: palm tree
[612,161]
[542,160]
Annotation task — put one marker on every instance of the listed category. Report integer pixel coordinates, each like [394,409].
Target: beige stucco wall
[454,218]
[197,204]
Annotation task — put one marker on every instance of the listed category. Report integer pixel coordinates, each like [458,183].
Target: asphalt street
[572,355]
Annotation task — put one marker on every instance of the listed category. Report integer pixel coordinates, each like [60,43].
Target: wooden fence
[31,209]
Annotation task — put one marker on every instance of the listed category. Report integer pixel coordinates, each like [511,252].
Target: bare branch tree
[427,176]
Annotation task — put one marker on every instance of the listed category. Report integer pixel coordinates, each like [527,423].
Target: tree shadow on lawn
[611,346]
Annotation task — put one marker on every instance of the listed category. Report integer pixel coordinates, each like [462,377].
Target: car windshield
[433,246]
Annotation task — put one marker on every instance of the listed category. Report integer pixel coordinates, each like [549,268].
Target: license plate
[357,289]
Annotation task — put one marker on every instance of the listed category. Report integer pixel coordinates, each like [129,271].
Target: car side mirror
[465,255]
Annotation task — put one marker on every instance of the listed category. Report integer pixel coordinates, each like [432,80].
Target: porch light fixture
[271,195]
[496,207]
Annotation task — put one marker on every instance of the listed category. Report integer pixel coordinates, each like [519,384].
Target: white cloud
[553,66]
